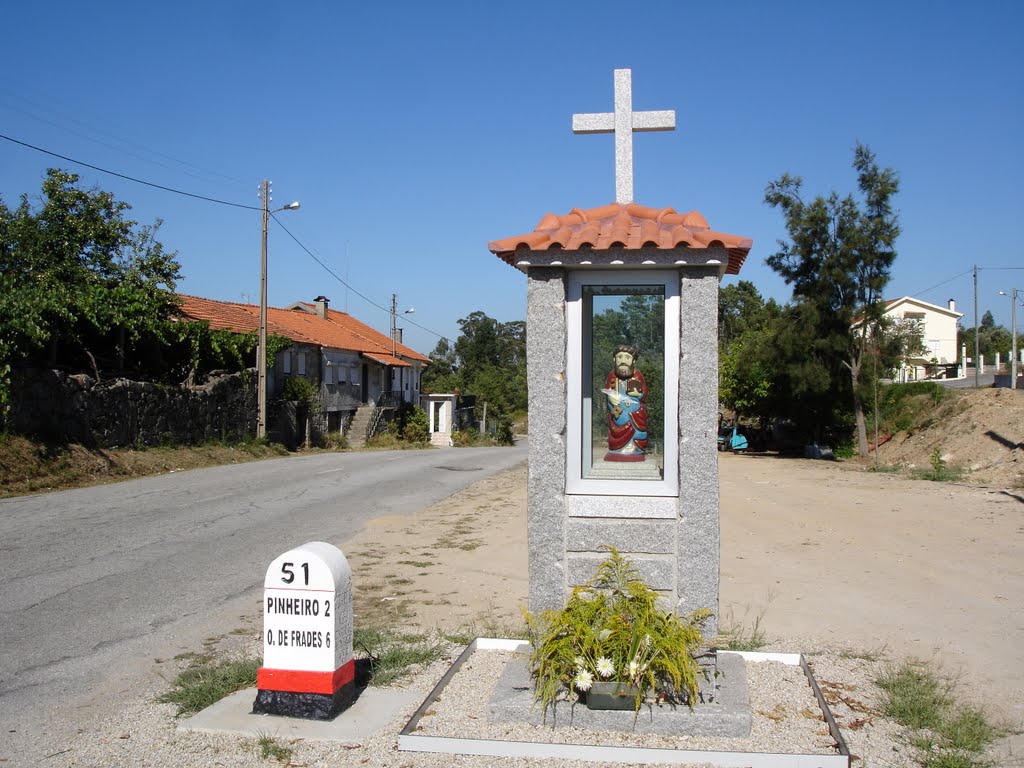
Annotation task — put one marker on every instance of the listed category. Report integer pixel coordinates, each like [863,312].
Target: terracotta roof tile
[339,331]
[629,226]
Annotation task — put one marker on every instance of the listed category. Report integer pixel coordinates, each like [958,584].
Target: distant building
[352,364]
[938,327]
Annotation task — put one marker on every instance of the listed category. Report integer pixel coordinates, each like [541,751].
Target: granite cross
[624,122]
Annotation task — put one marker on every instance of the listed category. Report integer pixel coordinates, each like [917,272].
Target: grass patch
[736,635]
[491,627]
[888,469]
[945,732]
[271,749]
[418,563]
[206,681]
[940,471]
[393,655]
[863,654]
[30,466]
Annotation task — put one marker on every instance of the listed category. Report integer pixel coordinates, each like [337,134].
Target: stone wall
[123,413]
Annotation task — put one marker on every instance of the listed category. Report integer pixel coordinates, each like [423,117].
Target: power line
[220,202]
[129,178]
[939,285]
[333,274]
[88,130]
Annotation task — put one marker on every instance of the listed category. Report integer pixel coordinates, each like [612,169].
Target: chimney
[398,335]
[322,303]
[952,305]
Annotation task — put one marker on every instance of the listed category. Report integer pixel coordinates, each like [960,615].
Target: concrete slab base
[729,715]
[376,708]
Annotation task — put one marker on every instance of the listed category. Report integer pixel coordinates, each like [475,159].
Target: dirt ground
[980,431]
[824,553]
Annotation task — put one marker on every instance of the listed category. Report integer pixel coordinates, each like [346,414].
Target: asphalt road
[96,582]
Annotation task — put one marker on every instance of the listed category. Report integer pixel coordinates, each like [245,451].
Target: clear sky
[414,133]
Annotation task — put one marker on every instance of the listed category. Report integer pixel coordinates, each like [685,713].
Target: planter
[612,696]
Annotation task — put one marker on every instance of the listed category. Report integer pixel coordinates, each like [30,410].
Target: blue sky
[415,133]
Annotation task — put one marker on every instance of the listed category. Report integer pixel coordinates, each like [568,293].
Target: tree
[742,308]
[838,260]
[992,338]
[487,360]
[77,275]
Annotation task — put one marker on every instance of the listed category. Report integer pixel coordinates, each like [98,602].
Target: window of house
[300,359]
[623,373]
[286,362]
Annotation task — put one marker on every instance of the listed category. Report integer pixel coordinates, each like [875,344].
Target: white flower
[647,641]
[605,668]
[580,663]
[634,668]
[583,680]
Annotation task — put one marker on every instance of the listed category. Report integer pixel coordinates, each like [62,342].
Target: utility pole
[394,323]
[261,355]
[977,334]
[1013,335]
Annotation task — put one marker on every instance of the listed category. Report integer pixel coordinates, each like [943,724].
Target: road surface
[95,583]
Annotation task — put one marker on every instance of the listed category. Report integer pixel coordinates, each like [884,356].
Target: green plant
[941,472]
[613,629]
[299,388]
[945,732]
[335,441]
[412,423]
[393,654]
[734,635]
[844,450]
[205,681]
[270,748]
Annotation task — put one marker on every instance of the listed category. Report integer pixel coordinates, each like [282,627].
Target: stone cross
[624,122]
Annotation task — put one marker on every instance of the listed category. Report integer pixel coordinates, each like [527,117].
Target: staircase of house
[356,432]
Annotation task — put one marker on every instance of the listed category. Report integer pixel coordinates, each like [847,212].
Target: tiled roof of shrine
[628,226]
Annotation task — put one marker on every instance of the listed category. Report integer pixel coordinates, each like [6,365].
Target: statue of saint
[625,391]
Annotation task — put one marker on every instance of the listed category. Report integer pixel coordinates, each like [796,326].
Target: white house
[938,326]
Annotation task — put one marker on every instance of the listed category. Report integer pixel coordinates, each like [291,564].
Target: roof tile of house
[630,226]
[339,331]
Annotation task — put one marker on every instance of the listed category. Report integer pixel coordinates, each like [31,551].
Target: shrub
[613,629]
[299,388]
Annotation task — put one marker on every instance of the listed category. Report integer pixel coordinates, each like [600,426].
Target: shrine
[622,366]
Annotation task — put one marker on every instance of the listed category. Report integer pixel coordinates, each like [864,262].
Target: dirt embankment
[980,431]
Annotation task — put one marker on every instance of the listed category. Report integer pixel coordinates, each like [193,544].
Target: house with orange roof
[355,367]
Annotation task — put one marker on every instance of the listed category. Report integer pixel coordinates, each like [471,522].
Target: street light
[261,356]
[1013,336]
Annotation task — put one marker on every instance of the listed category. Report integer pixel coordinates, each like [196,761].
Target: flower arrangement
[612,630]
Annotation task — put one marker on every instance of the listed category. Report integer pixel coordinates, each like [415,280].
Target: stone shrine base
[728,715]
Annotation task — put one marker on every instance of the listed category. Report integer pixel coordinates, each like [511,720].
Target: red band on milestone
[303,681]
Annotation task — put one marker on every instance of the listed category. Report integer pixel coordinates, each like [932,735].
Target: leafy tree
[78,276]
[992,338]
[742,308]
[79,279]
[838,260]
[487,360]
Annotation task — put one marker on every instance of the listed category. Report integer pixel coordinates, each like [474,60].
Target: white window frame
[575,483]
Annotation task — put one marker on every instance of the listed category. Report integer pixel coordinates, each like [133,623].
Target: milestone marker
[624,122]
[308,670]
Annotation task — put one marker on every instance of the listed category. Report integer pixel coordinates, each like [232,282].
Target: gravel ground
[143,733]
